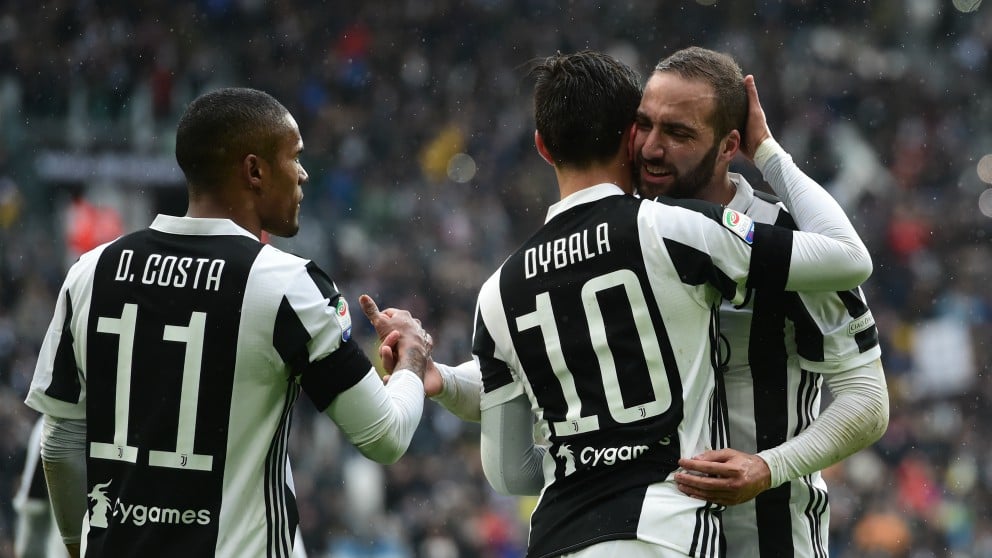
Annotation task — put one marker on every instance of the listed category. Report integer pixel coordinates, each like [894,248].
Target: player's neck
[571,180]
[720,190]
[237,210]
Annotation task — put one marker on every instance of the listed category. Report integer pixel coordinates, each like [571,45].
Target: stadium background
[418,133]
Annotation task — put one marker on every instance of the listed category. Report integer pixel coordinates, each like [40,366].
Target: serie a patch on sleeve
[344,318]
[739,224]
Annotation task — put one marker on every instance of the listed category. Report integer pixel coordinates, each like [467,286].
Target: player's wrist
[765,151]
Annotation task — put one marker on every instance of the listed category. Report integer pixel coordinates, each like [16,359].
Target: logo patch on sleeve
[343,317]
[740,224]
[864,322]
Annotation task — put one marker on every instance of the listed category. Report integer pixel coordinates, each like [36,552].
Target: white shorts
[625,549]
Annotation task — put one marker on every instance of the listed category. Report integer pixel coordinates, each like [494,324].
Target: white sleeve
[813,209]
[461,389]
[857,417]
[510,459]
[63,453]
[380,419]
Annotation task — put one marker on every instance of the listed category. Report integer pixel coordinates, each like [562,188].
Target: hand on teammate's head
[756,130]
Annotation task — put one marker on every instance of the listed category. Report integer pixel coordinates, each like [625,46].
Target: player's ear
[730,145]
[543,149]
[630,142]
[252,170]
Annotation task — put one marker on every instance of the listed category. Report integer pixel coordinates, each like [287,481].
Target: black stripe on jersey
[868,338]
[695,267]
[809,338]
[293,515]
[814,512]
[324,283]
[707,537]
[278,534]
[290,338]
[720,422]
[325,379]
[322,379]
[65,384]
[774,522]
[771,255]
[769,371]
[809,389]
[495,373]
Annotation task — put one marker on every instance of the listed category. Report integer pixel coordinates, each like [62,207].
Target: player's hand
[757,126]
[412,349]
[387,354]
[433,383]
[724,476]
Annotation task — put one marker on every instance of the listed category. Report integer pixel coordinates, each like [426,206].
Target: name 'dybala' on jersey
[173,271]
[560,252]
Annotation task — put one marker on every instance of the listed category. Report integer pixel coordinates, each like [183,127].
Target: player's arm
[855,419]
[313,339]
[380,419]
[727,249]
[460,389]
[456,388]
[58,392]
[812,208]
[510,459]
[34,516]
[63,455]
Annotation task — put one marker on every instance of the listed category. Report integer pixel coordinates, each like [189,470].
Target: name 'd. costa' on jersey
[173,271]
[560,252]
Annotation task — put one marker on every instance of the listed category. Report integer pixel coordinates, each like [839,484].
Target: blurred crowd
[416,119]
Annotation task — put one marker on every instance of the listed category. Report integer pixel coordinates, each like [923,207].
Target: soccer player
[603,325]
[782,346]
[35,534]
[171,366]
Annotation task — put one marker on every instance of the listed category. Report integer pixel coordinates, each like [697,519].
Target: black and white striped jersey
[605,319]
[184,347]
[781,345]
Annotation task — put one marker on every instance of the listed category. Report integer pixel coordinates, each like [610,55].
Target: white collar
[744,196]
[198,226]
[585,195]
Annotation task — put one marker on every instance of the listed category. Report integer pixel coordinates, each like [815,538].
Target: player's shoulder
[768,208]
[707,209]
[86,264]
[285,271]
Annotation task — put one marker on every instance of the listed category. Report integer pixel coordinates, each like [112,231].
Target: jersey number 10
[543,317]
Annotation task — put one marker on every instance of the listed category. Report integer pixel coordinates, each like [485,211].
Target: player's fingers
[386,353]
[697,482]
[753,102]
[698,494]
[719,456]
[369,307]
[714,468]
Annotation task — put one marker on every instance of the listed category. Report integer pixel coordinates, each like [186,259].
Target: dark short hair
[220,127]
[723,74]
[583,103]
